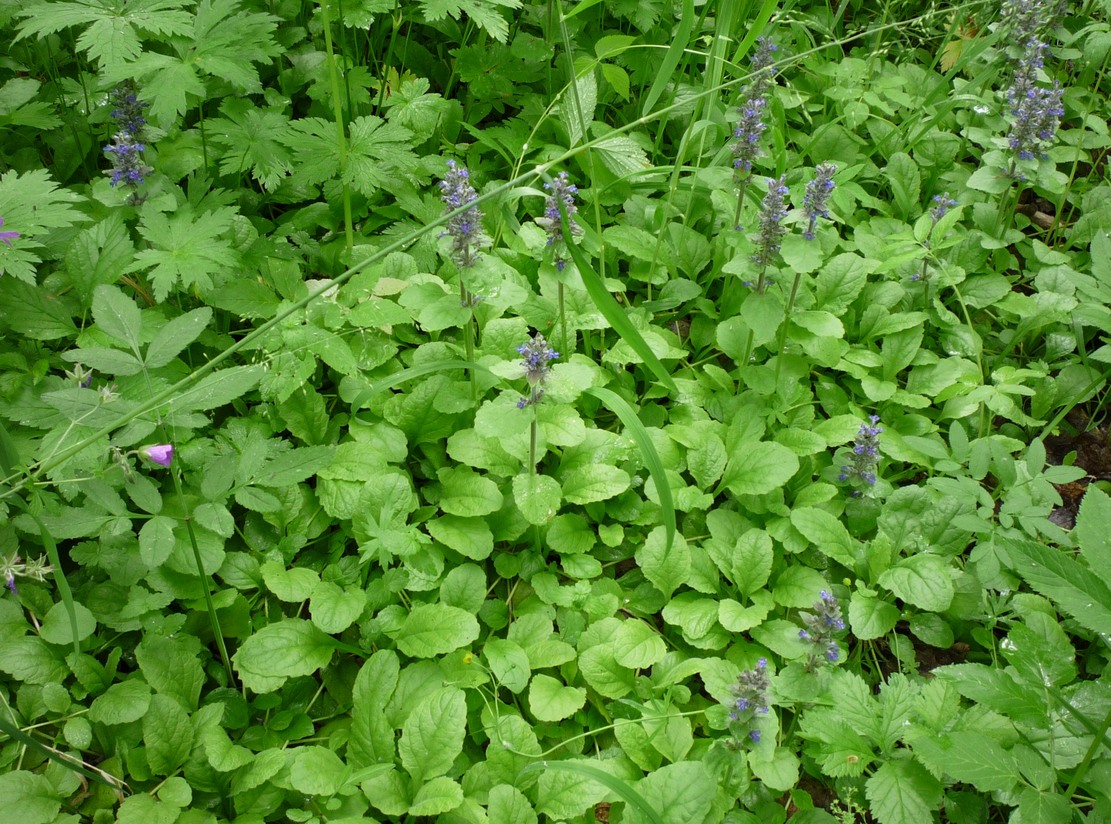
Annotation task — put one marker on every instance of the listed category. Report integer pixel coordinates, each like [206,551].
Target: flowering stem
[206,581]
[562,320]
[532,442]
[341,137]
[786,321]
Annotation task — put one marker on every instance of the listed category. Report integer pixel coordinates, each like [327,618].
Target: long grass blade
[612,312]
[671,59]
[628,416]
[628,794]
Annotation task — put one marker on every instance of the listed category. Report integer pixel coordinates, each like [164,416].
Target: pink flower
[7,237]
[160,453]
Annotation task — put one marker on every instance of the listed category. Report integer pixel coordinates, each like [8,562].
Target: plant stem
[213,618]
[341,132]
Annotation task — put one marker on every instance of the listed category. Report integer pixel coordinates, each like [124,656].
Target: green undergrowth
[515,411]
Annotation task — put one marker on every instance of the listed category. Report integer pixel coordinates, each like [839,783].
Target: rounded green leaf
[637,646]
[550,700]
[595,482]
[432,735]
[334,609]
[436,629]
[538,498]
[281,651]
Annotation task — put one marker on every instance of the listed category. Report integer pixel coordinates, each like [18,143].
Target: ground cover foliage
[514,411]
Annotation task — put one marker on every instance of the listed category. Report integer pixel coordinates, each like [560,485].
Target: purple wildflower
[942,205]
[750,128]
[128,111]
[865,454]
[562,191]
[772,213]
[161,454]
[127,160]
[7,237]
[465,228]
[537,355]
[754,735]
[815,201]
[821,624]
[1035,111]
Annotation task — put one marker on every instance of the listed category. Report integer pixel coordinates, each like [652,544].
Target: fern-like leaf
[186,249]
[31,204]
[486,14]
[115,27]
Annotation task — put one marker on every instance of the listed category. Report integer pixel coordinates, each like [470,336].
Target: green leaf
[121,703]
[1038,807]
[171,666]
[538,497]
[31,204]
[118,316]
[567,788]
[1093,531]
[922,580]
[436,629]
[675,52]
[681,793]
[290,585]
[216,389]
[780,772]
[971,758]
[549,700]
[483,13]
[371,738]
[870,617]
[168,735]
[902,792]
[468,494]
[508,805]
[508,663]
[593,483]
[316,771]
[667,568]
[637,646]
[432,735]
[109,361]
[56,627]
[605,302]
[826,533]
[648,452]
[903,177]
[280,651]
[467,536]
[440,795]
[758,468]
[29,798]
[1069,584]
[333,609]
[175,336]
[747,562]
[184,249]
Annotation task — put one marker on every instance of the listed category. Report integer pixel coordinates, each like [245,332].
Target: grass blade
[622,788]
[628,416]
[671,59]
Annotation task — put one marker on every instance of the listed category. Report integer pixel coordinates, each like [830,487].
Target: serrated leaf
[636,646]
[175,336]
[316,771]
[971,758]
[758,468]
[117,315]
[168,735]
[484,13]
[902,792]
[1093,531]
[432,735]
[29,798]
[666,567]
[1070,585]
[680,793]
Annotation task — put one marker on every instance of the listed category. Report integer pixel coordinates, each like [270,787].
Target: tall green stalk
[341,126]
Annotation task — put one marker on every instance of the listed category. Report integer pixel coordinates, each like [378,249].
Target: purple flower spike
[7,237]
[161,453]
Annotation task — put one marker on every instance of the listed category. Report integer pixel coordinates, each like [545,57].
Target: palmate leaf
[186,250]
[486,14]
[249,137]
[31,204]
[221,41]
[377,155]
[114,26]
